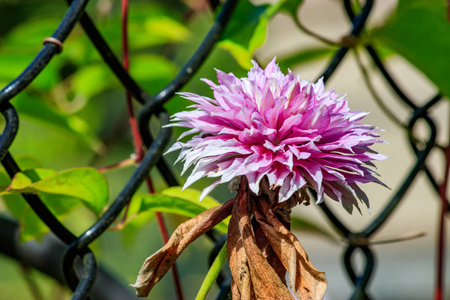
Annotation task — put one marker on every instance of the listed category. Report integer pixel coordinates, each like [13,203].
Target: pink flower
[281,132]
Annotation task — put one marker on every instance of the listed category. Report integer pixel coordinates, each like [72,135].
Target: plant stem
[126,64]
[212,273]
[121,164]
[138,145]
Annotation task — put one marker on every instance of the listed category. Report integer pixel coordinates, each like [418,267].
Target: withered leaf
[253,277]
[237,258]
[304,280]
[157,265]
[260,251]
[267,284]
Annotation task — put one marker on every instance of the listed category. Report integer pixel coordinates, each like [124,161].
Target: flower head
[282,133]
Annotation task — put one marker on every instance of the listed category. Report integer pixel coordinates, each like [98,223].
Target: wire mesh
[78,246]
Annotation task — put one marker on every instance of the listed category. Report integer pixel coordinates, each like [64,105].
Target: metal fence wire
[78,246]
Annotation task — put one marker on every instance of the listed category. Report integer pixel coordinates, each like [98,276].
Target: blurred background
[74,115]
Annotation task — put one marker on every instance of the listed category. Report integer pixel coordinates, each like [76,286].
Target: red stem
[138,145]
[126,64]
[439,288]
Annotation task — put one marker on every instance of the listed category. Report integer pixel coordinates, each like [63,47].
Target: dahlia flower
[282,133]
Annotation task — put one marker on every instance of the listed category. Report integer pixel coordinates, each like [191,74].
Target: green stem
[212,273]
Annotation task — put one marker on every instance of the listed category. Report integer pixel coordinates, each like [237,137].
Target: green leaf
[291,7]
[166,29]
[24,162]
[191,195]
[31,226]
[186,207]
[419,31]
[304,225]
[85,184]
[240,53]
[247,30]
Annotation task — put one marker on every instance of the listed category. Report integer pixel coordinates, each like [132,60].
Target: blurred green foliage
[419,31]
[74,115]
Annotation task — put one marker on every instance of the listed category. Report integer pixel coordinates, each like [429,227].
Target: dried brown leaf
[266,282]
[266,249]
[237,258]
[305,281]
[157,265]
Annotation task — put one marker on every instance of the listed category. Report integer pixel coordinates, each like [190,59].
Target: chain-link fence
[78,246]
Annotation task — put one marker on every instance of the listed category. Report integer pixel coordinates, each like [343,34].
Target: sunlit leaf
[86,184]
[167,29]
[419,32]
[191,195]
[247,30]
[239,52]
[31,227]
[171,204]
[24,162]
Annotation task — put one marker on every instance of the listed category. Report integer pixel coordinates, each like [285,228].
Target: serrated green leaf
[184,207]
[311,227]
[86,184]
[419,32]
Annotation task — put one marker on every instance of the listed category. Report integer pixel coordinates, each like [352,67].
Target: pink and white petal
[208,189]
